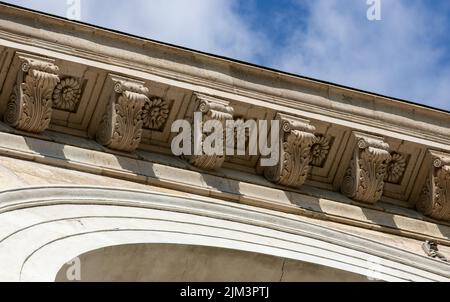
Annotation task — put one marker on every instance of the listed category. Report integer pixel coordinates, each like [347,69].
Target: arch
[42,228]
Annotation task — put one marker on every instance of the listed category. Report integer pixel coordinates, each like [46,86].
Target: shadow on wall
[185,263]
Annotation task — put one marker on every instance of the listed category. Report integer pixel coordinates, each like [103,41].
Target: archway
[44,228]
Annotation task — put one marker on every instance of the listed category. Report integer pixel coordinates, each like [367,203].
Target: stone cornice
[268,86]
[125,92]
[318,107]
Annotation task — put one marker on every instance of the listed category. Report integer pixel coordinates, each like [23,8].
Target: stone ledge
[146,172]
[175,66]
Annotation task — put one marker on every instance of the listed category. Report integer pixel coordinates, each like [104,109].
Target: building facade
[90,186]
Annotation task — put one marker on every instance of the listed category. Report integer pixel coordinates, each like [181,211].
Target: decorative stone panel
[155,114]
[320,150]
[396,168]
[67,94]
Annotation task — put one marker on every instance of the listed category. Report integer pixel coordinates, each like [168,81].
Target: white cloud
[206,25]
[211,26]
[397,56]
[55,7]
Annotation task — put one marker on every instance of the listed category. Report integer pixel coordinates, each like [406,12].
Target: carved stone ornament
[216,110]
[434,200]
[67,95]
[155,114]
[296,139]
[396,169]
[30,105]
[121,127]
[364,179]
[320,151]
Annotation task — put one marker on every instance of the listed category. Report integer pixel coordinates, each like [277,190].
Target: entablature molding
[429,137]
[175,65]
[368,147]
[121,107]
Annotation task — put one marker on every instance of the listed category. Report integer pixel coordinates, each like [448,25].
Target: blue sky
[406,54]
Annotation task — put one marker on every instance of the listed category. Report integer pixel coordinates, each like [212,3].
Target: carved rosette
[320,151]
[215,110]
[396,168]
[30,105]
[121,126]
[296,139]
[434,200]
[364,179]
[155,114]
[67,94]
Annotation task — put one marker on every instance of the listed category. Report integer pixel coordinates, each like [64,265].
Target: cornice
[227,76]
[125,92]
[434,135]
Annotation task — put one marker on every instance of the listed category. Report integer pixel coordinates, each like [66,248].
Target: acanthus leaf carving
[121,126]
[434,200]
[296,140]
[364,179]
[212,109]
[30,105]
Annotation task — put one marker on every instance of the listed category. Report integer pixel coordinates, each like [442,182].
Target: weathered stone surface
[121,127]
[296,140]
[212,109]
[364,179]
[434,201]
[30,105]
